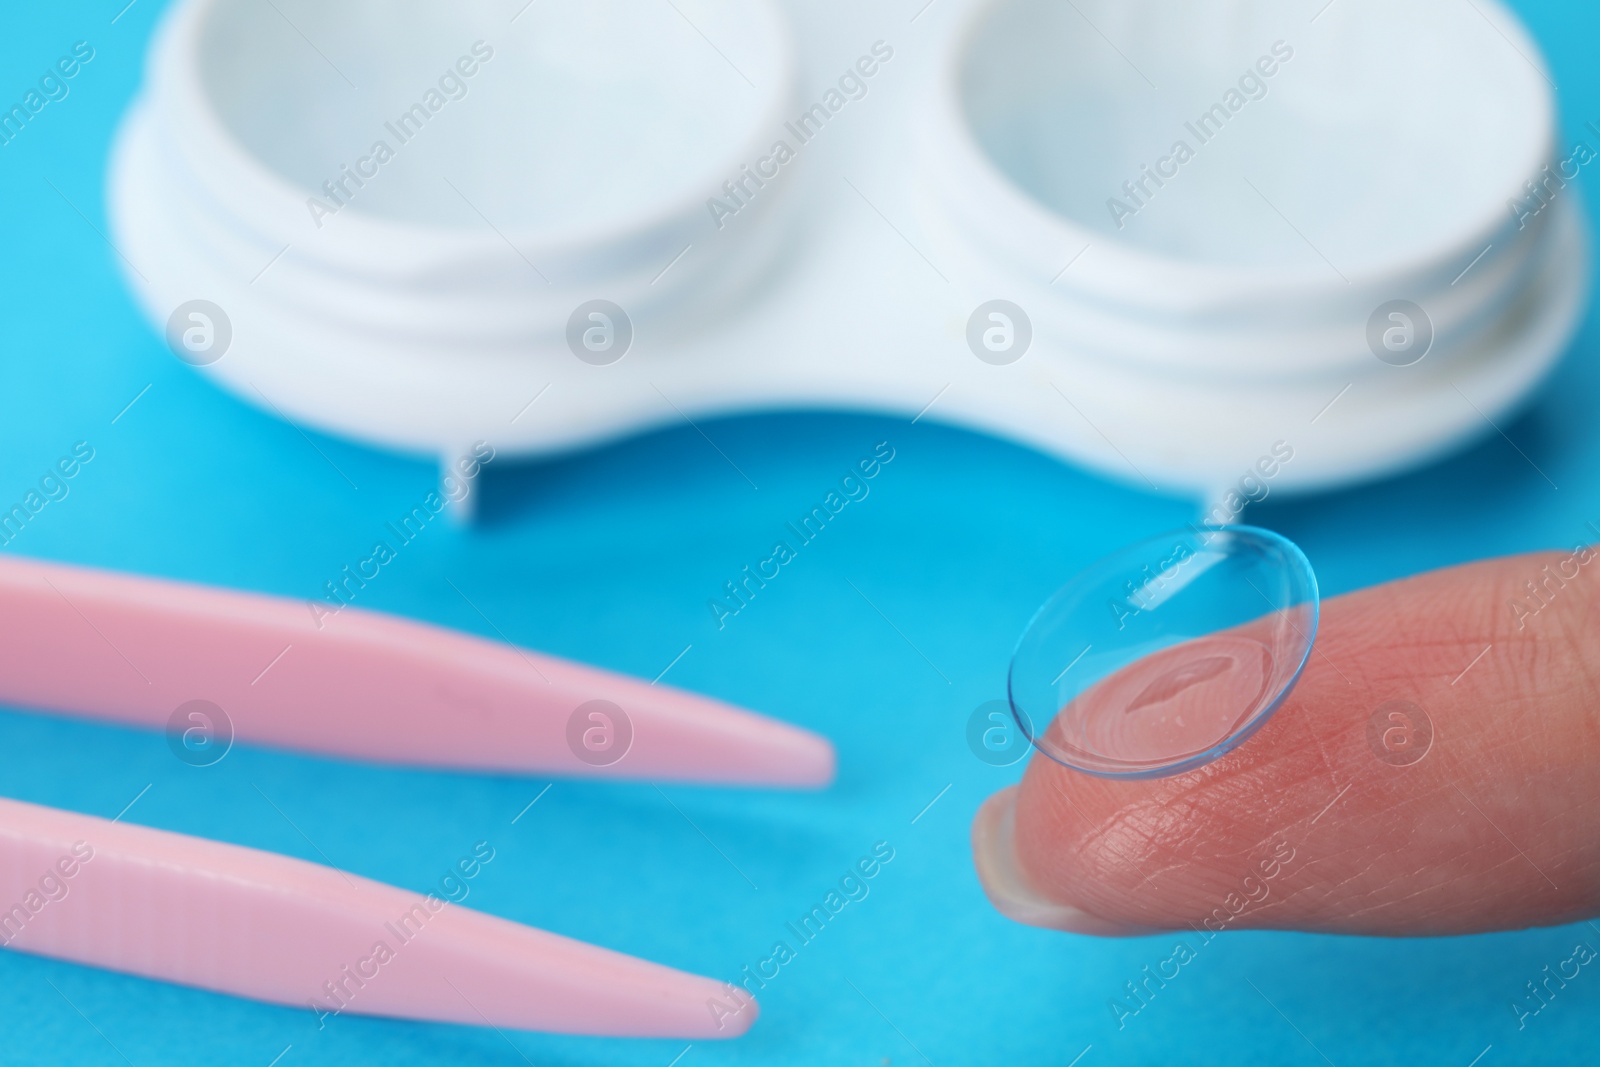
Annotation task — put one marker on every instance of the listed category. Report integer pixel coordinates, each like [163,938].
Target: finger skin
[1304,826]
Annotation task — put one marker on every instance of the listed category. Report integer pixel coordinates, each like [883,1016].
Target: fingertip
[1471,817]
[1008,886]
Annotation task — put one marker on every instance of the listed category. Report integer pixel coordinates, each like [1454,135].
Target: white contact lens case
[1167,318]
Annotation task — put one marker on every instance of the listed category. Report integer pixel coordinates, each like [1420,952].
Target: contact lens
[1164,655]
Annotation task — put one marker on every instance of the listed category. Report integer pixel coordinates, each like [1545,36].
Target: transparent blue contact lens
[1162,656]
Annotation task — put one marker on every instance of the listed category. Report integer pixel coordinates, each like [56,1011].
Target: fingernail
[1009,888]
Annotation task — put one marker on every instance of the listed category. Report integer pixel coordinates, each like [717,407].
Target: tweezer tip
[815,762]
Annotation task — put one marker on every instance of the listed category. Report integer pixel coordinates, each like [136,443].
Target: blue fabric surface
[610,557]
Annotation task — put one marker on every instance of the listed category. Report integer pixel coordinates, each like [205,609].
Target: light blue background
[609,557]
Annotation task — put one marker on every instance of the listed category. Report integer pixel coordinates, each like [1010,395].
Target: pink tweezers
[356,684]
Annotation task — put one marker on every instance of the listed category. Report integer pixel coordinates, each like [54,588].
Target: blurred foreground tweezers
[366,686]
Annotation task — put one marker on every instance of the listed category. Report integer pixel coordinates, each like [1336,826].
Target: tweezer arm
[359,684]
[259,925]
